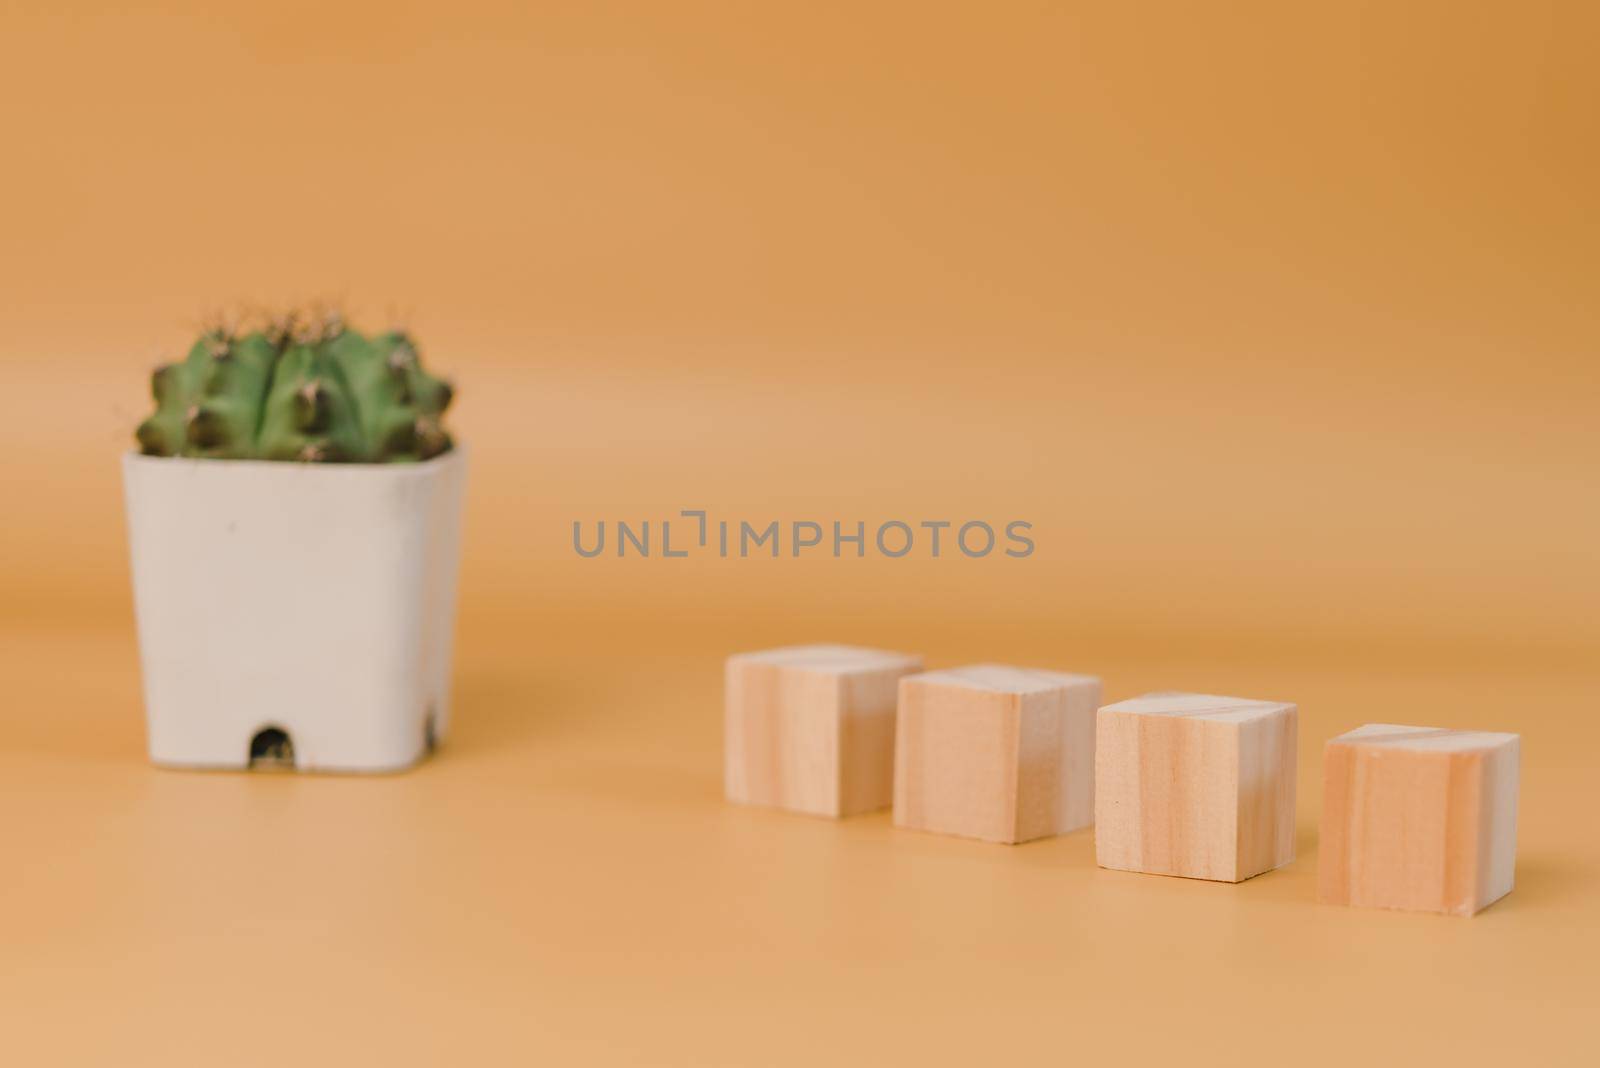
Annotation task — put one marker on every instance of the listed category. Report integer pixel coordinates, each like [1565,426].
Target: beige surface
[566,879]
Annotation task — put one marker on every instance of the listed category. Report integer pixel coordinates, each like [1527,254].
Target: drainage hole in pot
[430,740]
[271,750]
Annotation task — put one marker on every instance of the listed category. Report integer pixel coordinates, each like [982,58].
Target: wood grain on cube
[1000,753]
[811,728]
[1195,785]
[1418,818]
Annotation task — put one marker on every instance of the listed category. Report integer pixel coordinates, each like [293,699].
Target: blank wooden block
[1418,818]
[811,728]
[999,753]
[1195,785]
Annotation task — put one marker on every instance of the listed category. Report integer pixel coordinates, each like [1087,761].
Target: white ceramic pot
[314,600]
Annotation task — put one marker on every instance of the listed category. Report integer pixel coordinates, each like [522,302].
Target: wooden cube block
[1418,818]
[999,753]
[811,728]
[1195,785]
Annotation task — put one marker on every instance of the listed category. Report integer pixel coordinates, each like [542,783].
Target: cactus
[308,390]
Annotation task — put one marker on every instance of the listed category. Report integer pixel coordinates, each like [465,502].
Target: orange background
[1278,322]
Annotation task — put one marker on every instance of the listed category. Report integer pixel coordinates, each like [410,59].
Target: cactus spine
[314,391]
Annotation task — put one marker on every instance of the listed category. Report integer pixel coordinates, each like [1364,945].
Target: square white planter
[314,599]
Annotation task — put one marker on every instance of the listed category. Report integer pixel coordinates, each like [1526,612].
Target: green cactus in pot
[304,389]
